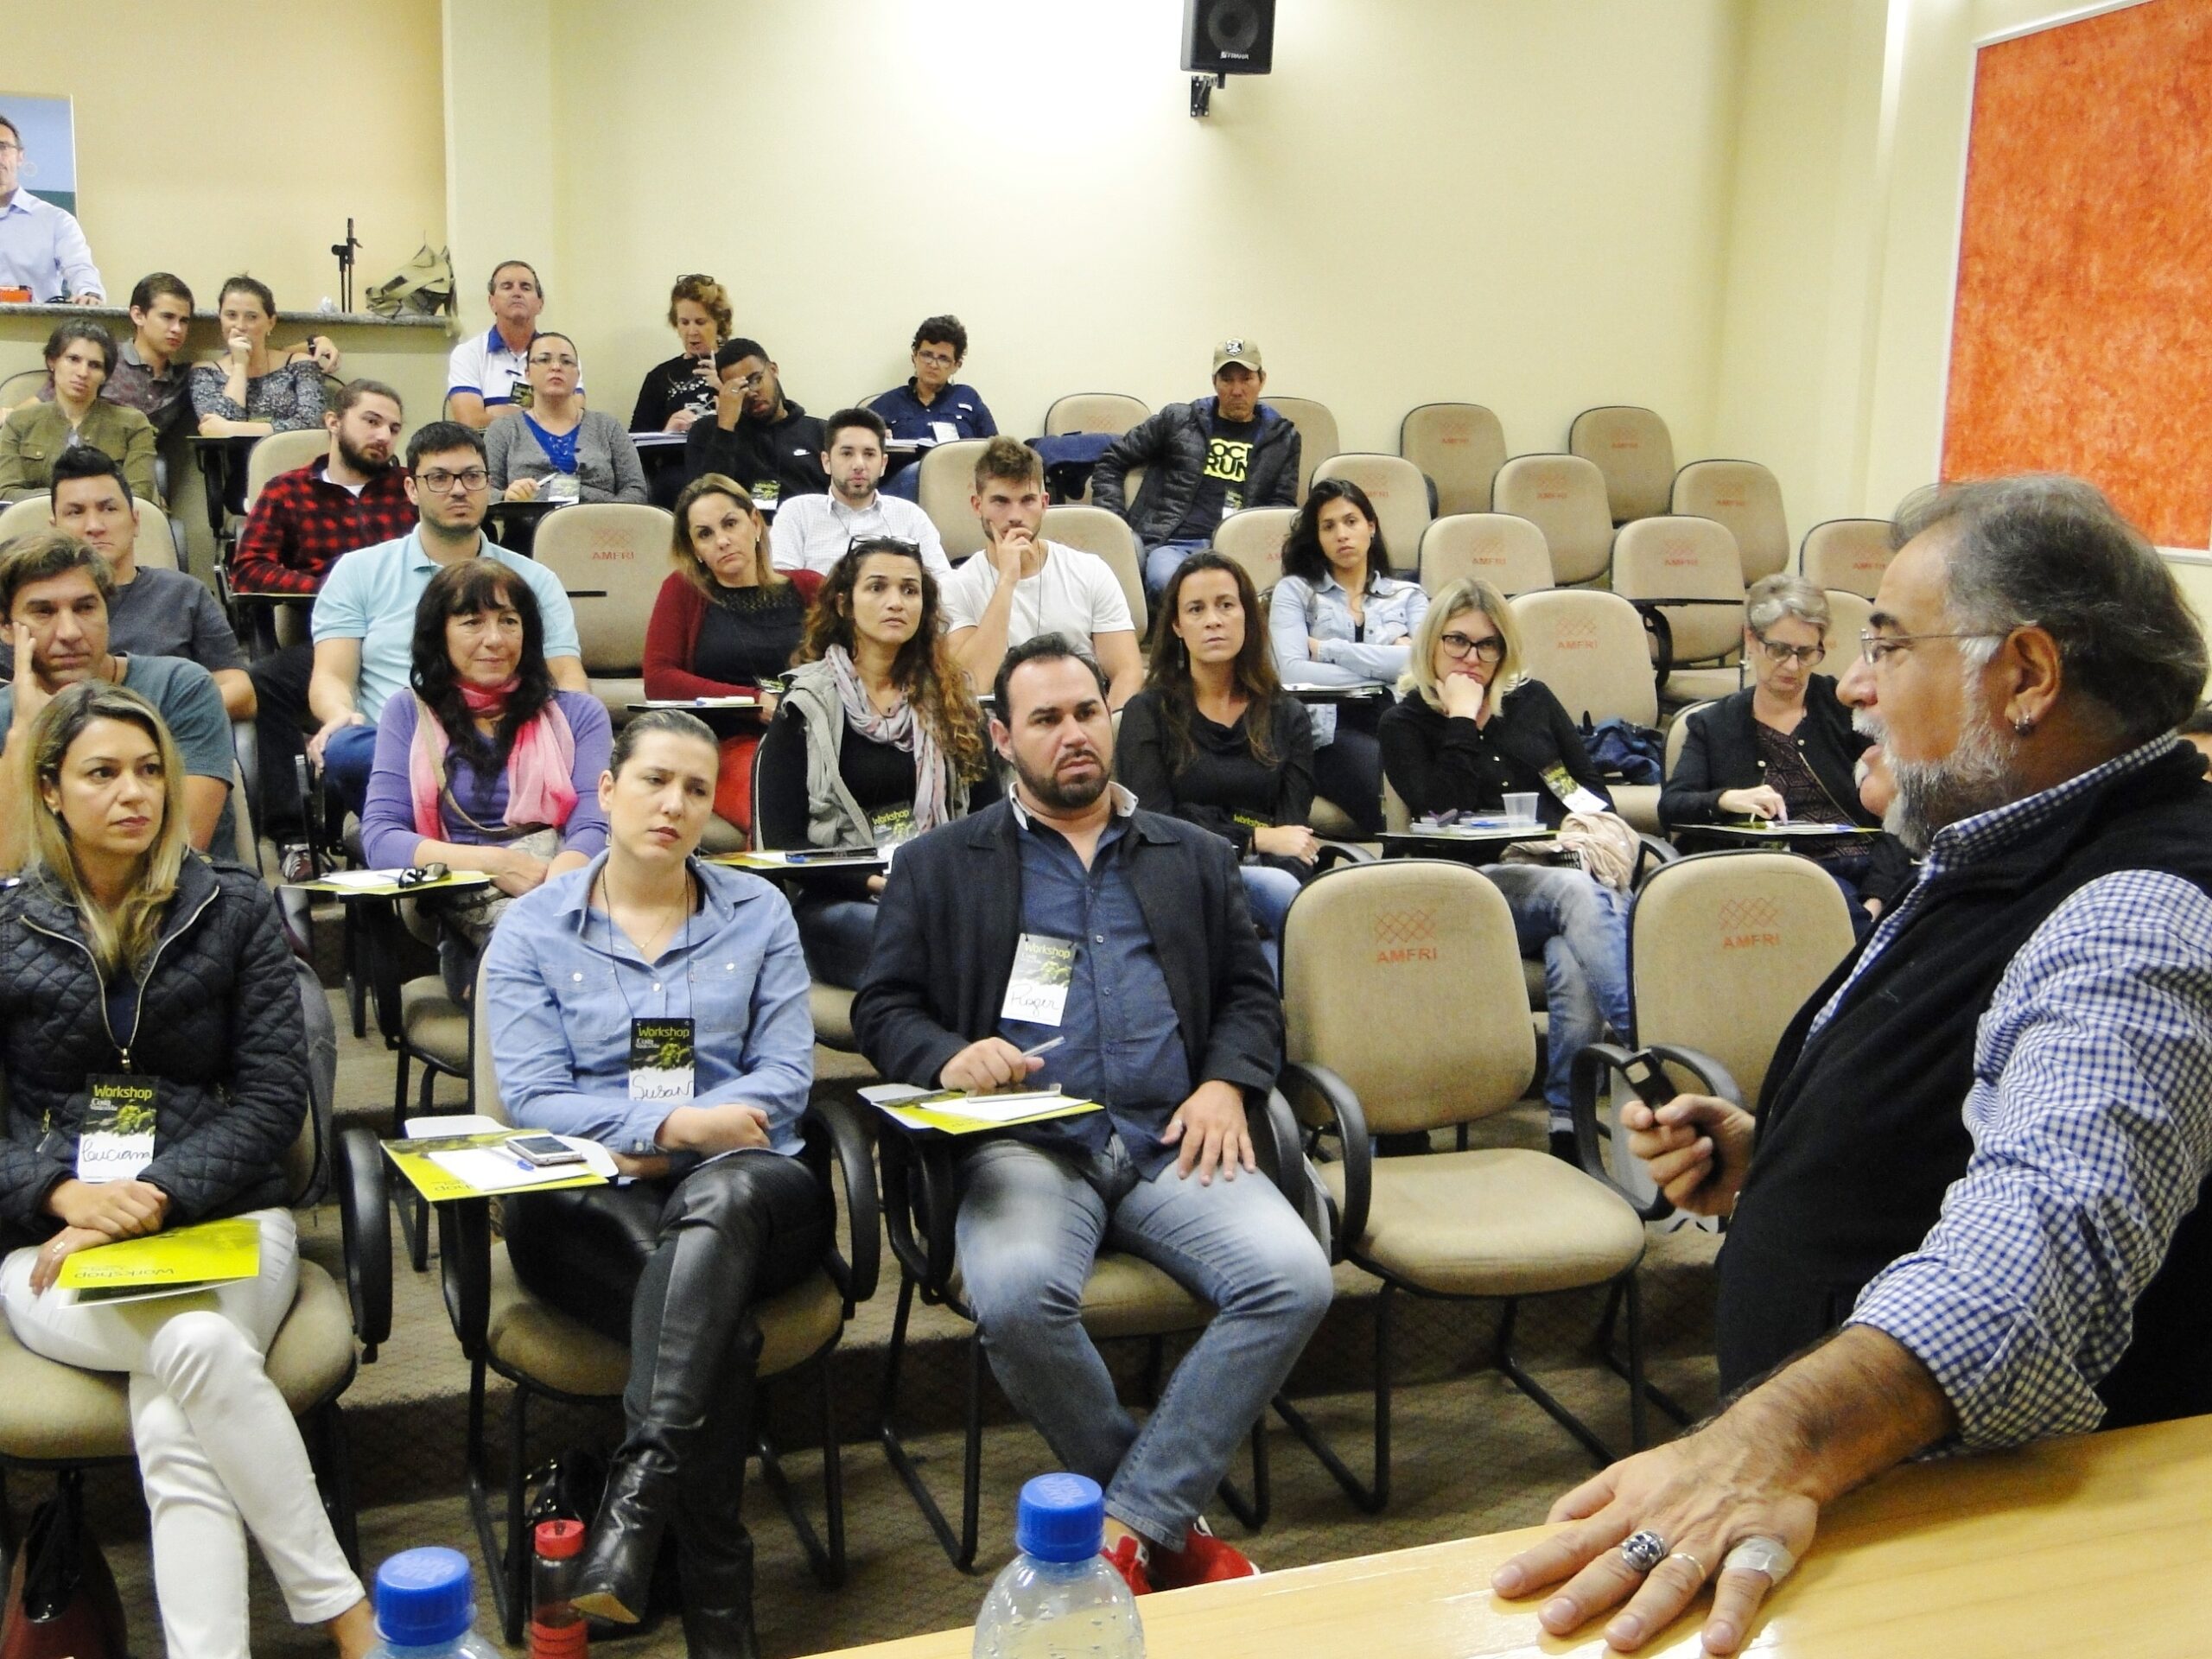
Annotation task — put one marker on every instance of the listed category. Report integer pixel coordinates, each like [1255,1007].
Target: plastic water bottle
[426,1608]
[1060,1598]
[557,1629]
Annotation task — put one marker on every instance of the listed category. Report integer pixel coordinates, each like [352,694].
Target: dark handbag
[566,1488]
[61,1599]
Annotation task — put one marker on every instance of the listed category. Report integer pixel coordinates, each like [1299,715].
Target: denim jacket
[1298,612]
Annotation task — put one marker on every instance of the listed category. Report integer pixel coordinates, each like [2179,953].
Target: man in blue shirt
[364,616]
[42,248]
[1064,916]
[931,408]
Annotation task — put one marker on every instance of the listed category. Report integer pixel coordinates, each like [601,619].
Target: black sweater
[1720,752]
[1220,786]
[668,387]
[786,452]
[1439,764]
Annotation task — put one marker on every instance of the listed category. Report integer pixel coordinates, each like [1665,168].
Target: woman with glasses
[1471,729]
[1782,748]
[877,742]
[558,450]
[675,394]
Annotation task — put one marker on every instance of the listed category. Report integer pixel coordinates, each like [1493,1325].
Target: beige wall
[335,111]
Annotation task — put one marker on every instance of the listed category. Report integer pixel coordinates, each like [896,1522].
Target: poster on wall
[50,135]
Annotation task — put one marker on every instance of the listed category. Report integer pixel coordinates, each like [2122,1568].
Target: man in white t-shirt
[811,533]
[1021,585]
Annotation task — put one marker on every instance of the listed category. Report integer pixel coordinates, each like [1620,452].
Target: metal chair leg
[960,1551]
[1370,1498]
[1521,1379]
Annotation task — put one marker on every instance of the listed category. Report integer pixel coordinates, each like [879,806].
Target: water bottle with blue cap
[1060,1598]
[426,1608]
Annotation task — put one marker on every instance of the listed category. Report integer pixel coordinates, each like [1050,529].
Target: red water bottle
[557,1629]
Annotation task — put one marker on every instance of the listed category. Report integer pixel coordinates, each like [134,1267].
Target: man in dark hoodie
[1208,458]
[757,436]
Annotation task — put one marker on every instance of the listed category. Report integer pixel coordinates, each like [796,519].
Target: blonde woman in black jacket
[125,957]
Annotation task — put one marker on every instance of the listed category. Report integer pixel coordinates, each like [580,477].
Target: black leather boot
[714,1551]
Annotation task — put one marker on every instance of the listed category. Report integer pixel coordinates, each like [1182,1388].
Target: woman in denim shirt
[1338,617]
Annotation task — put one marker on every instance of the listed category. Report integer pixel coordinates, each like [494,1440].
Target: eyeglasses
[751,381]
[1873,647]
[1456,646]
[438,482]
[882,544]
[7,148]
[422,876]
[1779,655]
[941,359]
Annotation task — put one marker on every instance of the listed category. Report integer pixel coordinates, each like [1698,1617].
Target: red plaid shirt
[301,523]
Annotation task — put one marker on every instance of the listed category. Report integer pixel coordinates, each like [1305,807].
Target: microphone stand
[345,252]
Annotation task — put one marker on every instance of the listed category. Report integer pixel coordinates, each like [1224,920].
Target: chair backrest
[1846,553]
[306,1162]
[1589,648]
[1724,948]
[1630,445]
[281,452]
[245,845]
[1094,529]
[1254,539]
[1094,411]
[483,1094]
[945,488]
[610,556]
[1459,447]
[1433,943]
[773,739]
[1564,496]
[1317,433]
[1742,495]
[1507,552]
[1678,732]
[1397,818]
[1848,614]
[1671,557]
[1400,493]
[154,546]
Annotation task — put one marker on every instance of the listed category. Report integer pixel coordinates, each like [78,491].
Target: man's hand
[1698,1149]
[110,1209]
[329,729]
[1288,841]
[681,420]
[523,489]
[729,403]
[991,1063]
[876,885]
[1211,1128]
[715,1128]
[86,298]
[519,873]
[1703,1495]
[1762,801]
[30,698]
[1465,699]
[57,1250]
[1008,551]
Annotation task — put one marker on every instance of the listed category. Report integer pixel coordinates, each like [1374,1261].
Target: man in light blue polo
[364,616]
[42,247]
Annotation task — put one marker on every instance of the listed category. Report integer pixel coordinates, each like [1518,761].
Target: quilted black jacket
[219,1023]
[1172,443]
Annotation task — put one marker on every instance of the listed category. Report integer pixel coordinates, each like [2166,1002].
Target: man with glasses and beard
[1063,937]
[1968,1213]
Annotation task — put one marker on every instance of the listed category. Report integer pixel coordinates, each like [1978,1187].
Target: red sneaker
[1127,1557]
[1204,1558]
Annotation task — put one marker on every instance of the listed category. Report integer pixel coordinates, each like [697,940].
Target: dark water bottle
[557,1629]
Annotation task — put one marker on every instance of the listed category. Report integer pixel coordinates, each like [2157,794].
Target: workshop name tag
[116,1141]
[1044,967]
[660,1059]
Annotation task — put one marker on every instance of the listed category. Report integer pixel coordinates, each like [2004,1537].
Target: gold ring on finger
[1684,1555]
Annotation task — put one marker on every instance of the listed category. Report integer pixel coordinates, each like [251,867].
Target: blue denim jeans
[1031,1222]
[348,760]
[836,935]
[1579,928]
[1267,893]
[1161,563]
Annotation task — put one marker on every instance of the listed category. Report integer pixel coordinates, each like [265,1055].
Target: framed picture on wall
[49,134]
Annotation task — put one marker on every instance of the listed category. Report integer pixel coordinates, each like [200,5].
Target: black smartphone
[1649,1078]
[544,1150]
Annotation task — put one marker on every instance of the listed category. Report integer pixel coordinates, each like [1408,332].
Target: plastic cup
[1521,806]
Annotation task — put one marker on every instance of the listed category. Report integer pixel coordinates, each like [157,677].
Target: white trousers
[218,1449]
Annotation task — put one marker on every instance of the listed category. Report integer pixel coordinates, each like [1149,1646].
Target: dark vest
[1861,1129]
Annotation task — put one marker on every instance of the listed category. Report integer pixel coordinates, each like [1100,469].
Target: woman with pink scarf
[482,765]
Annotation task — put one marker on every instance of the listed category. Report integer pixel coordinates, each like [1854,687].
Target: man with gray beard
[1968,1213]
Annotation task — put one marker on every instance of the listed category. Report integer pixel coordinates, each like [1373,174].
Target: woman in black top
[1472,727]
[676,393]
[726,620]
[878,740]
[1214,738]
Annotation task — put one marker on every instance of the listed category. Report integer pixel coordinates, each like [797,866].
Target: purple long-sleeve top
[389,836]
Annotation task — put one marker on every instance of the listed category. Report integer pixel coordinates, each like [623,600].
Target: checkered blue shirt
[2091,1113]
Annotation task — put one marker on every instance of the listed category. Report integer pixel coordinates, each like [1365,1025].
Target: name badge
[1571,794]
[946,431]
[660,1059]
[1037,992]
[891,825]
[117,1138]
[765,492]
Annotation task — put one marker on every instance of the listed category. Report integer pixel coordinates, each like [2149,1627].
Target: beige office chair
[1507,552]
[1094,411]
[1848,617]
[944,488]
[1591,649]
[1254,539]
[610,556]
[1564,496]
[282,452]
[154,547]
[1094,529]
[1744,496]
[1685,574]
[1433,943]
[1678,732]
[1850,554]
[1459,447]
[1317,433]
[1400,493]
[1631,447]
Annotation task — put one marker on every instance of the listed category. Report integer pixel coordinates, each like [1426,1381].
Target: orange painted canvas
[2081,341]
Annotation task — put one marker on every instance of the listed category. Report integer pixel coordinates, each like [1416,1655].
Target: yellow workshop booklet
[173,1262]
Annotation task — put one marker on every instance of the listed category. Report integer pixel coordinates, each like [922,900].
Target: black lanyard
[690,998]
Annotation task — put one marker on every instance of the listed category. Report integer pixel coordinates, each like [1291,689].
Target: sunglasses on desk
[423,875]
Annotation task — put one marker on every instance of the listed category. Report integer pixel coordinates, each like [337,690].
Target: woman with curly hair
[878,740]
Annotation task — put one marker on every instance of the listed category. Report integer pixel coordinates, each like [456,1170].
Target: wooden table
[2101,1544]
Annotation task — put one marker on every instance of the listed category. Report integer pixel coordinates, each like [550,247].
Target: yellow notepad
[169,1263]
[440,1186]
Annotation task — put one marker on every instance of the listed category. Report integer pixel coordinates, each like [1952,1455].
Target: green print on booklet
[661,1059]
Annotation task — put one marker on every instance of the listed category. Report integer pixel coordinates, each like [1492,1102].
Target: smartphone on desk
[544,1150]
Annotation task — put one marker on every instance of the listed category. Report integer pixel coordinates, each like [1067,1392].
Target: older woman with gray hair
[1782,748]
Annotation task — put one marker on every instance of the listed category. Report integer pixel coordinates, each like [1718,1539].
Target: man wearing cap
[1208,458]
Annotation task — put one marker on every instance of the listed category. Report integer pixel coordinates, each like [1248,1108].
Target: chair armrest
[1592,1064]
[364,1223]
[1334,852]
[1663,638]
[465,1269]
[918,1206]
[835,1133]
[1275,1143]
[1654,852]
[1324,1103]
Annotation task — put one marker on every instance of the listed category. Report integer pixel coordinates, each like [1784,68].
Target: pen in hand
[1044,1048]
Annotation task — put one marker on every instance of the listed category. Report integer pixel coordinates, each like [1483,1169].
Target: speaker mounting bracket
[1202,93]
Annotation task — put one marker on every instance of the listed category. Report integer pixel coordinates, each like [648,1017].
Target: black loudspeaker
[1229,37]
